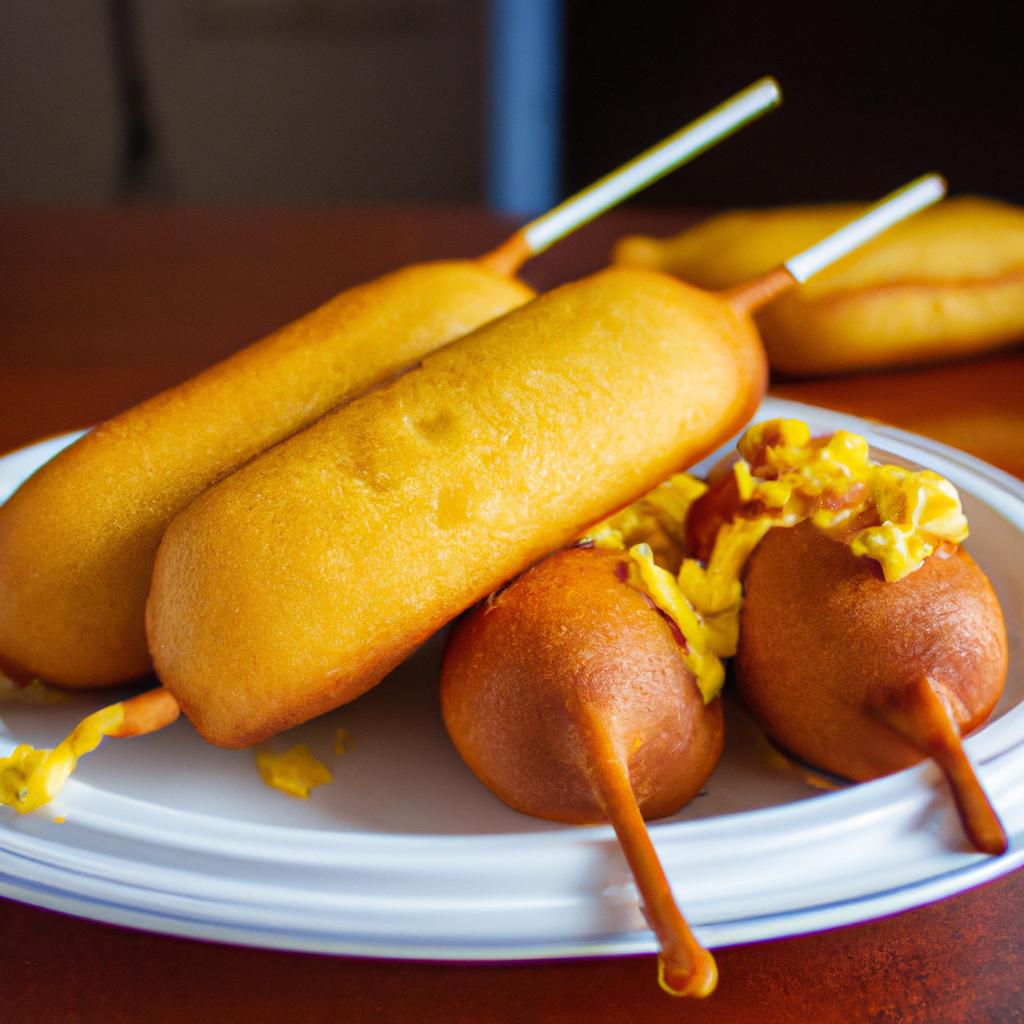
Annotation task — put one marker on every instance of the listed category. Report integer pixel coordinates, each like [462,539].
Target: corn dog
[887,673]
[77,540]
[298,582]
[868,639]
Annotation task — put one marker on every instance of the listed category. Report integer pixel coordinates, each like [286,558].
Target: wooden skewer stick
[920,718]
[685,967]
[643,170]
[895,207]
[149,712]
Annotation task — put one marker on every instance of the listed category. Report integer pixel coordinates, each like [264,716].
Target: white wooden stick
[679,148]
[878,218]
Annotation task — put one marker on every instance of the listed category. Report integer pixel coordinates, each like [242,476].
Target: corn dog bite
[77,541]
[944,285]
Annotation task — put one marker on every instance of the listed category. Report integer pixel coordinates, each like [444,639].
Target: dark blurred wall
[59,120]
[874,94]
[313,100]
[225,100]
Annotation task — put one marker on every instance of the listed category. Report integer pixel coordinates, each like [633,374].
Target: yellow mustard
[658,519]
[784,477]
[789,477]
[294,772]
[30,778]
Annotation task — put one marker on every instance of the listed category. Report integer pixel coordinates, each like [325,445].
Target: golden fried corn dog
[77,540]
[945,284]
[297,583]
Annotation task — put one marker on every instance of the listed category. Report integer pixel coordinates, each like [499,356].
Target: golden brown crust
[297,582]
[824,639]
[77,541]
[565,636]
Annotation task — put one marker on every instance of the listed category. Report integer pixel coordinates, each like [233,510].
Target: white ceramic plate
[407,855]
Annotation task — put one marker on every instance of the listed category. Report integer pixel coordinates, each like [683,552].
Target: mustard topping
[894,515]
[919,511]
[30,778]
[294,772]
[658,519]
[834,483]
[699,600]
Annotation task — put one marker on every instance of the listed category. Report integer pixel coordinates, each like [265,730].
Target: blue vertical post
[524,129]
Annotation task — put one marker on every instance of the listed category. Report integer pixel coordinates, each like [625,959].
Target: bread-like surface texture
[568,644]
[297,583]
[824,640]
[949,282]
[78,539]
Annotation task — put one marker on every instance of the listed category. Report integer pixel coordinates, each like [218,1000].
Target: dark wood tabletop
[101,307]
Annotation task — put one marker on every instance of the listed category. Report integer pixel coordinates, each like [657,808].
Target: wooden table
[99,308]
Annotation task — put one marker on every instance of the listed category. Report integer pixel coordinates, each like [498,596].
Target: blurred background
[512,103]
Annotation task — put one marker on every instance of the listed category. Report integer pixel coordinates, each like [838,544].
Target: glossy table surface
[99,308]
